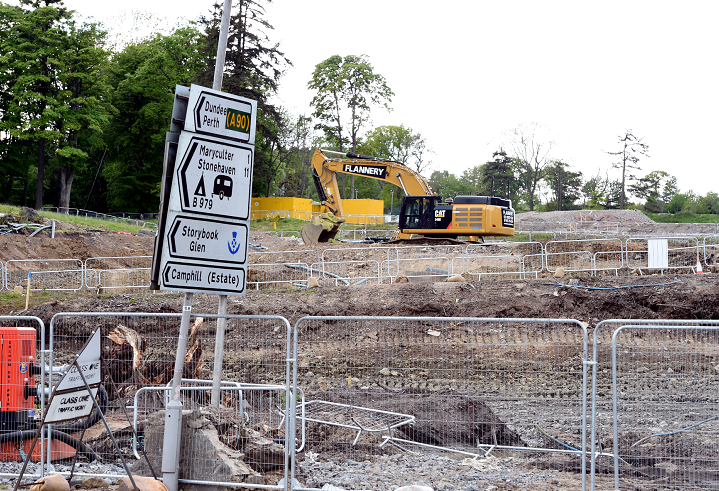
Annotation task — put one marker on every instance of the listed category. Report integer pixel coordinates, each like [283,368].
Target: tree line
[82,123]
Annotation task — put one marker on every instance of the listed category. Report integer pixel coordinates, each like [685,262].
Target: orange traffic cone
[699,266]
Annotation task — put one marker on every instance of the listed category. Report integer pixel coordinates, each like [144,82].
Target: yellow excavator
[421,211]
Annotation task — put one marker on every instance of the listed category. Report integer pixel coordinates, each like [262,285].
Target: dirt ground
[649,297]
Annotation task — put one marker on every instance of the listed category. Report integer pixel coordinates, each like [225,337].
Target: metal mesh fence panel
[47,274]
[362,261]
[280,270]
[21,340]
[361,234]
[500,260]
[422,264]
[350,272]
[115,273]
[277,276]
[588,256]
[3,280]
[601,417]
[710,253]
[138,362]
[678,252]
[381,387]
[666,396]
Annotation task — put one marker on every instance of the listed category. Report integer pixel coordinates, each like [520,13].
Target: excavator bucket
[324,229]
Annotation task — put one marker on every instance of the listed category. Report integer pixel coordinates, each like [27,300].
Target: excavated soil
[650,297]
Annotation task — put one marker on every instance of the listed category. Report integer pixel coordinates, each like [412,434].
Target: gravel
[387,472]
[625,216]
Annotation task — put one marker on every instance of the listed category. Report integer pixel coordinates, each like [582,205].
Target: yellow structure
[361,211]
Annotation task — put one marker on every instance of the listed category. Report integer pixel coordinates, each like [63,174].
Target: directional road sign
[206,239]
[214,177]
[214,113]
[195,277]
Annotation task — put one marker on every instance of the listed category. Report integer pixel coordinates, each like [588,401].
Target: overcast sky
[466,72]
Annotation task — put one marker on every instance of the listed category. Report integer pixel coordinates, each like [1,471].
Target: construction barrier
[139,356]
[665,395]
[46,274]
[113,273]
[461,386]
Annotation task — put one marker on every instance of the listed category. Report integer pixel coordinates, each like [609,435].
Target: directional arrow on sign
[204,239]
[222,280]
[215,113]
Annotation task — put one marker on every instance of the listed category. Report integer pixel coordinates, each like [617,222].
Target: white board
[658,253]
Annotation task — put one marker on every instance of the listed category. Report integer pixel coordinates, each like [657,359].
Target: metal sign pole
[219,348]
[222,307]
[222,46]
[173,411]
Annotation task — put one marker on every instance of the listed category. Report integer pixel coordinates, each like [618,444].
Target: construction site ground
[692,297]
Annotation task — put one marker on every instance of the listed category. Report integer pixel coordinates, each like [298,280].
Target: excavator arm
[325,172]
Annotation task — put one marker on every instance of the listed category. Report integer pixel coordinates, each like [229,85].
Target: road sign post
[203,247]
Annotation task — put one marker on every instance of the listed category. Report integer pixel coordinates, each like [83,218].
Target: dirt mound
[623,216]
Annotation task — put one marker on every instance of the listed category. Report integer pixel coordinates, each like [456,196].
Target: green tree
[144,76]
[346,89]
[31,60]
[656,189]
[447,185]
[499,170]
[565,186]
[628,160]
[710,203]
[87,109]
[55,91]
[601,192]
[397,143]
[253,68]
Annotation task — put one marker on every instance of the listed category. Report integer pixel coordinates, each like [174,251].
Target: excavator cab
[423,213]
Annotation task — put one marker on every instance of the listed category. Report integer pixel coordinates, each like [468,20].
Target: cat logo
[439,213]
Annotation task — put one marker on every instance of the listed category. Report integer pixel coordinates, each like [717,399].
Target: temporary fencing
[665,396]
[282,269]
[391,385]
[501,260]
[138,352]
[460,385]
[362,233]
[382,263]
[710,250]
[420,263]
[593,227]
[586,256]
[601,417]
[47,274]
[353,264]
[24,336]
[104,216]
[118,272]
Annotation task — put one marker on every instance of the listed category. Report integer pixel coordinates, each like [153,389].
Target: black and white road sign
[214,177]
[89,361]
[215,113]
[206,239]
[71,399]
[70,405]
[222,280]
